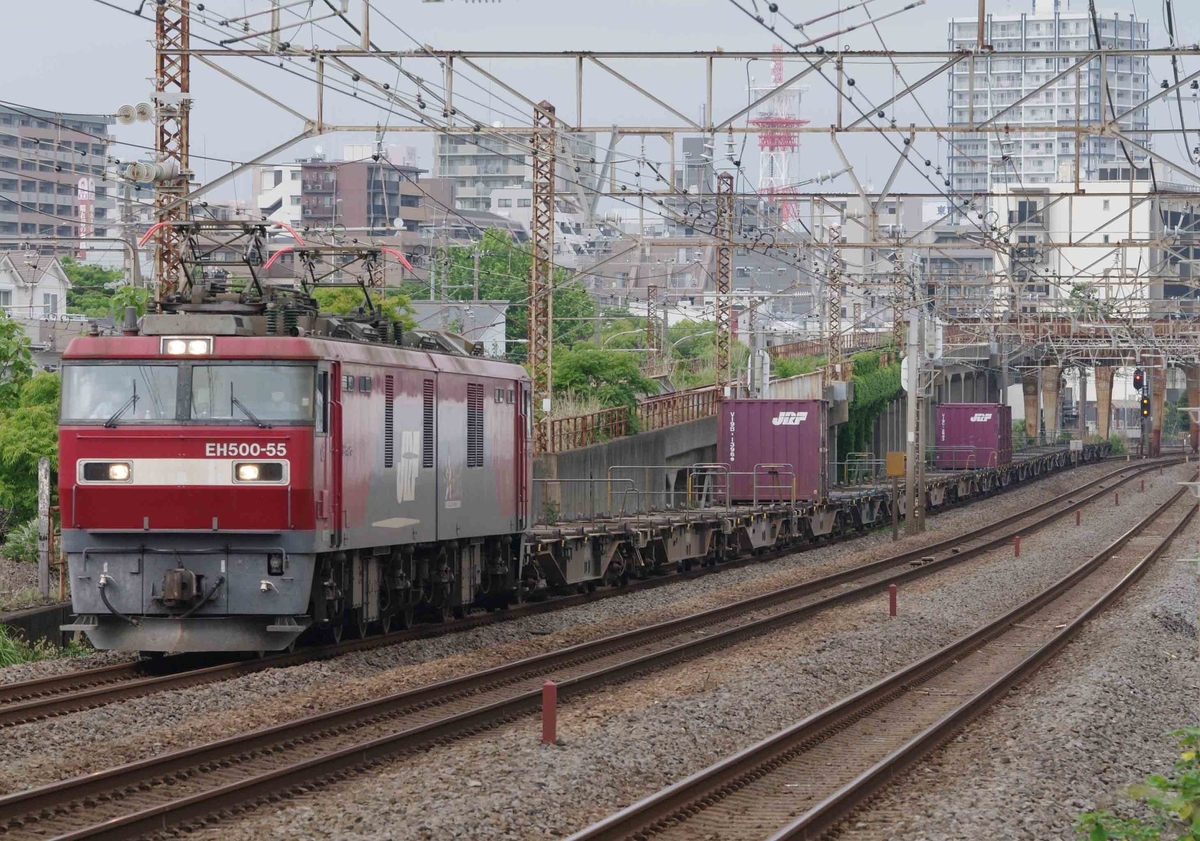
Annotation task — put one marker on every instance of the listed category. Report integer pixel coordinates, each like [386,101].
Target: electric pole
[172,103]
[911,451]
[541,277]
[723,279]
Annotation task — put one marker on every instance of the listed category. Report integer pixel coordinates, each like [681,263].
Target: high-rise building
[478,164]
[52,178]
[979,160]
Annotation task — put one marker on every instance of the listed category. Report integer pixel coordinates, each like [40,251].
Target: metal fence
[680,407]
[851,342]
[571,433]
[577,431]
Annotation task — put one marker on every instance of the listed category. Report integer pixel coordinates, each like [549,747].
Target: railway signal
[1145,406]
[1139,379]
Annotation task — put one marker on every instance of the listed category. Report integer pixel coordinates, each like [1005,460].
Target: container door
[337,508]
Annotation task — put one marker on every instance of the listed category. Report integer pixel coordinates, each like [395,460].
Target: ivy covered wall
[874,387]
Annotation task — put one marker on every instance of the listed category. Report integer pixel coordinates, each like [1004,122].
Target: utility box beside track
[756,437]
[972,436]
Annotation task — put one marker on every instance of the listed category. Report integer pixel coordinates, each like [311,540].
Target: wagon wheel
[336,631]
[385,623]
[362,624]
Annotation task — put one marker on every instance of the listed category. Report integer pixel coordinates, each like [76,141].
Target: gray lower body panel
[196,633]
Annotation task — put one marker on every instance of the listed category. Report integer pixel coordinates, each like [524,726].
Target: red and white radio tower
[777,120]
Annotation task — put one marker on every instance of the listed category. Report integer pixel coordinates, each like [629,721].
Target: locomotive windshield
[252,392]
[115,393]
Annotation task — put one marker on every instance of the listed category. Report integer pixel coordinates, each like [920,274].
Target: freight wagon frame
[612,549]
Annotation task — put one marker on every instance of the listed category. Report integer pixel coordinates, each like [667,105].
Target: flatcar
[228,483]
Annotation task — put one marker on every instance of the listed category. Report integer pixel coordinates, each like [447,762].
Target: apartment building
[1040,153]
[52,178]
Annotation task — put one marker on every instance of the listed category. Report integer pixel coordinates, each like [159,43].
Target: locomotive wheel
[336,632]
[385,623]
[406,616]
[362,625]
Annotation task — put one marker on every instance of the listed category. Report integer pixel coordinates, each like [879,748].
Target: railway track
[205,782]
[43,698]
[801,782]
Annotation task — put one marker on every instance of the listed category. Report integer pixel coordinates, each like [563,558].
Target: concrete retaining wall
[678,446]
[39,623]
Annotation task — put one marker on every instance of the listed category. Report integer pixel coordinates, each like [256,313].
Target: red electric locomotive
[229,481]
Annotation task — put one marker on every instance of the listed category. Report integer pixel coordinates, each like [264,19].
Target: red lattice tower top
[777,133]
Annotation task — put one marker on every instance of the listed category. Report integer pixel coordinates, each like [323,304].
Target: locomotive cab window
[323,401]
[255,394]
[119,393]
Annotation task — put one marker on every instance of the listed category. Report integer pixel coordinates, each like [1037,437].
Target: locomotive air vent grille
[427,427]
[389,419]
[474,425]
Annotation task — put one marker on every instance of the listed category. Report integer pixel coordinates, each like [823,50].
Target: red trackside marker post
[892,599]
[1116,498]
[1017,546]
[1143,486]
[1078,517]
[549,713]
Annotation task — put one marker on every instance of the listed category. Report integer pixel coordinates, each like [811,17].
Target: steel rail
[42,698]
[416,718]
[752,781]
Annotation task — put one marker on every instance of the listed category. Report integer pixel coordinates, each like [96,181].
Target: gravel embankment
[42,752]
[628,741]
[18,584]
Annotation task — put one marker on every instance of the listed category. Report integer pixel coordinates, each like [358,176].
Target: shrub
[21,543]
[1118,445]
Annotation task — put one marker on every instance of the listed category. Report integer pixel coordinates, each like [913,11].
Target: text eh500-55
[244,450]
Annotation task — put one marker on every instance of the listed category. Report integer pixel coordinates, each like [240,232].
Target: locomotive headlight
[105,471]
[187,345]
[259,471]
[274,564]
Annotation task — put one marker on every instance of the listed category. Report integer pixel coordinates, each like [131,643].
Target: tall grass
[569,404]
[15,650]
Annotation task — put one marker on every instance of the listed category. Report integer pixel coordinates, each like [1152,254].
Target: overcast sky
[79,55]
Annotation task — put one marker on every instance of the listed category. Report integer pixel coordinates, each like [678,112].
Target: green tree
[128,296]
[613,376]
[28,432]
[16,362]
[345,299]
[504,270]
[91,289]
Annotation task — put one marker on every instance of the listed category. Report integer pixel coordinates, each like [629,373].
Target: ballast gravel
[1075,737]
[46,751]
[627,741]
